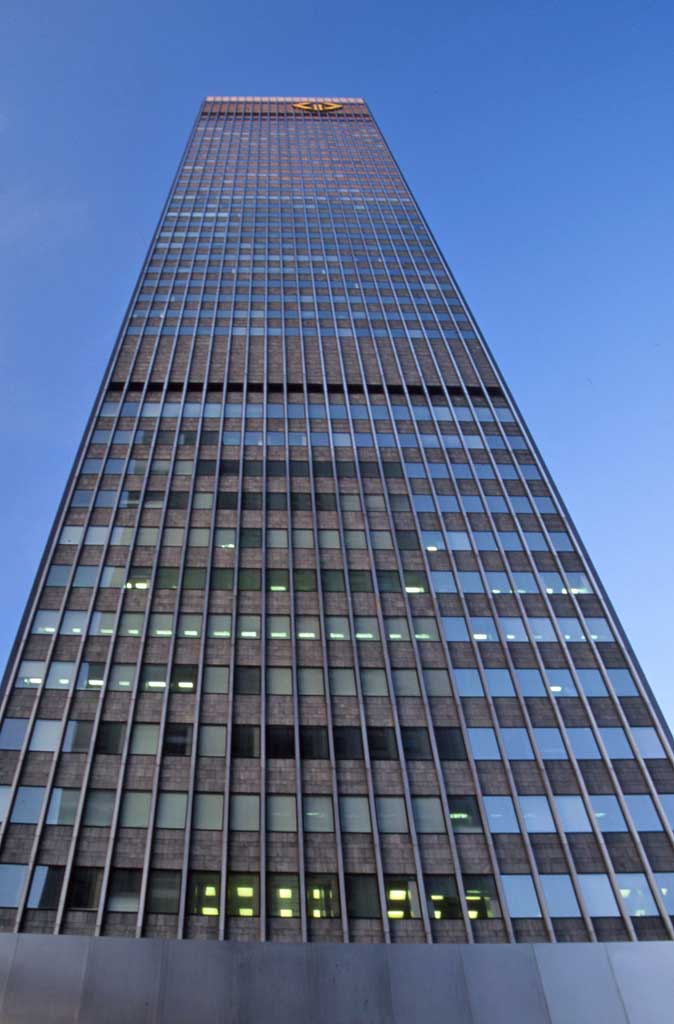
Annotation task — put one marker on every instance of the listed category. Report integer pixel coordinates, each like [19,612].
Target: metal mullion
[379,871]
[207,591]
[387,663]
[326,669]
[235,589]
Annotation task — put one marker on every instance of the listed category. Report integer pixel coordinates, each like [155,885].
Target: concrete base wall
[59,980]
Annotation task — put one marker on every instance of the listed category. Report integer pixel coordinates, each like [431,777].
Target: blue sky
[537,138]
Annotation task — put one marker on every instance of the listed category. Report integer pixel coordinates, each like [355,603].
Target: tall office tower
[315,652]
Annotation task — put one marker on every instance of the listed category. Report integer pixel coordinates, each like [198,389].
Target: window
[598,896]
[208,811]
[244,812]
[283,896]
[536,813]
[243,895]
[317,814]
[313,742]
[354,813]
[428,816]
[572,814]
[516,743]
[643,812]
[203,893]
[559,896]
[245,741]
[483,744]
[647,742]
[464,814]
[322,896]
[281,814]
[402,898]
[212,740]
[85,888]
[391,814]
[362,896]
[45,888]
[501,815]
[382,744]
[348,743]
[27,805]
[135,810]
[144,739]
[636,895]
[280,741]
[416,743]
[171,810]
[62,806]
[12,877]
[178,739]
[98,807]
[442,896]
[607,814]
[45,735]
[450,743]
[163,894]
[124,890]
[520,896]
[481,898]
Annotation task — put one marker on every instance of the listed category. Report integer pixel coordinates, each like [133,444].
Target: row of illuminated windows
[322,894]
[354,812]
[414,582]
[243,895]
[455,629]
[311,681]
[552,745]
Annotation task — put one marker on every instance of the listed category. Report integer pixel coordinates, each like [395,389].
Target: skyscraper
[314,652]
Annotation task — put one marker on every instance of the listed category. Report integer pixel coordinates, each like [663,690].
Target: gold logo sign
[317,108]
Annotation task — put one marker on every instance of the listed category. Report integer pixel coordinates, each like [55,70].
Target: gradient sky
[537,137]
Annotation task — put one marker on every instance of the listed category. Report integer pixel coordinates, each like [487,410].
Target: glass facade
[314,652]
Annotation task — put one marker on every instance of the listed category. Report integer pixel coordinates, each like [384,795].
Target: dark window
[332,580]
[348,743]
[280,741]
[450,744]
[382,744]
[110,738]
[245,741]
[249,579]
[362,897]
[222,579]
[360,581]
[416,743]
[178,739]
[276,502]
[85,888]
[304,579]
[326,502]
[246,679]
[314,742]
